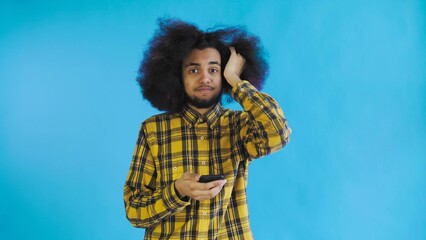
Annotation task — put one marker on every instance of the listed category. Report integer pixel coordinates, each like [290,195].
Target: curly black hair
[160,72]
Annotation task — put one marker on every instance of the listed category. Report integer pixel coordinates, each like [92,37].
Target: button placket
[203,146]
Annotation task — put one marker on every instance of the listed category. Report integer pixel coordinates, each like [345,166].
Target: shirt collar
[191,116]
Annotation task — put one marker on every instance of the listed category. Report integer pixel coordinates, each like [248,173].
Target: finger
[212,192]
[216,183]
[197,177]
[207,186]
[241,57]
[206,194]
[232,49]
[242,61]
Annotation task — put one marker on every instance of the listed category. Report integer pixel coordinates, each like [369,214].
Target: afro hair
[160,72]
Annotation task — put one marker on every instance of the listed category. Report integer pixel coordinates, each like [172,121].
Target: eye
[214,70]
[193,70]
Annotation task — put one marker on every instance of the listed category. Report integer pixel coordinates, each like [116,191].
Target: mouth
[204,89]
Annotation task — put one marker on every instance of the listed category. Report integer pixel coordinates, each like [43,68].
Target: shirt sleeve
[145,204]
[266,129]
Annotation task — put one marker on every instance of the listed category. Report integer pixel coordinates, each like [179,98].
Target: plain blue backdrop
[350,76]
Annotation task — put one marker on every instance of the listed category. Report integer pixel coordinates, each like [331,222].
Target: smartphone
[210,178]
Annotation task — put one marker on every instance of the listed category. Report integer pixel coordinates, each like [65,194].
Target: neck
[201,111]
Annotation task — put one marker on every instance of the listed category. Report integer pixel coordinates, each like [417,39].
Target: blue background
[350,76]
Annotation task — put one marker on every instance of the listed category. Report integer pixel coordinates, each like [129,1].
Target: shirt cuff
[172,200]
[243,89]
[241,84]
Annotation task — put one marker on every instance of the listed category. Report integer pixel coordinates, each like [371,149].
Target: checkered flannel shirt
[221,141]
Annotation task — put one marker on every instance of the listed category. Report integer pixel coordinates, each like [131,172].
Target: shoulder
[160,119]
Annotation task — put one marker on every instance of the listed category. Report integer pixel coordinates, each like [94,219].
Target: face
[201,74]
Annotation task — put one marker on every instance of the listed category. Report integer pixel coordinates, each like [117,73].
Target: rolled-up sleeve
[266,128]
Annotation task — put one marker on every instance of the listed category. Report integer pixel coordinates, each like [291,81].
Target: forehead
[203,56]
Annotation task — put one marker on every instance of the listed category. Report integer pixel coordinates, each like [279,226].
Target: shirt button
[202,137]
[174,168]
[200,120]
[204,213]
[203,162]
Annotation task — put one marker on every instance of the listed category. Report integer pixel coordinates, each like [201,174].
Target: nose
[205,77]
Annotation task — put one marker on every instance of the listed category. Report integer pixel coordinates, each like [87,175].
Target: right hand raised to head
[188,185]
[234,67]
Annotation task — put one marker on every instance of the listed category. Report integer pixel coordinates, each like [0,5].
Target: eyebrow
[197,64]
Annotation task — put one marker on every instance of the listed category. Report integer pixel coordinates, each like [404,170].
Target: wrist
[233,79]
[178,193]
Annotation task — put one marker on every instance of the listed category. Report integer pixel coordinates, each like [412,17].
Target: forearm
[146,202]
[268,130]
[232,78]
[145,209]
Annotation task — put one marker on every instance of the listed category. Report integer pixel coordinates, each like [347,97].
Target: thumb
[197,177]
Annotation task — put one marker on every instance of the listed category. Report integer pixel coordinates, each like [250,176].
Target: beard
[203,103]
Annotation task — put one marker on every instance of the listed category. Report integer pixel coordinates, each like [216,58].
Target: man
[185,71]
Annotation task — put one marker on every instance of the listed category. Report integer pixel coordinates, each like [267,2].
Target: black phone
[210,178]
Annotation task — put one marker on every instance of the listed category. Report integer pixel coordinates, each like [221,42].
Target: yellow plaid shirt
[222,141]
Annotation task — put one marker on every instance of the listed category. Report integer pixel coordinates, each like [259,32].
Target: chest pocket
[169,170]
